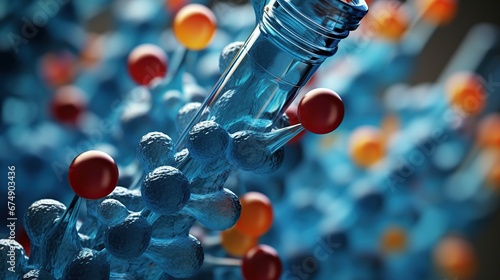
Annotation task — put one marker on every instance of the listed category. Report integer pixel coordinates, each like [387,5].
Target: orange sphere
[488,132]
[236,243]
[256,214]
[455,258]
[394,240]
[92,51]
[390,125]
[466,93]
[437,11]
[366,146]
[387,20]
[195,26]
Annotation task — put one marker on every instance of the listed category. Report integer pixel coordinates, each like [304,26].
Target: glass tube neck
[312,29]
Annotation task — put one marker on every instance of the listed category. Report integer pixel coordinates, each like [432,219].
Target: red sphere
[321,111]
[261,263]
[68,105]
[93,174]
[146,63]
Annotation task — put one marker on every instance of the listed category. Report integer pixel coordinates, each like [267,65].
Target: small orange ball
[437,11]
[394,240]
[237,243]
[455,258]
[195,26]
[387,20]
[92,51]
[466,93]
[488,132]
[256,214]
[390,125]
[366,146]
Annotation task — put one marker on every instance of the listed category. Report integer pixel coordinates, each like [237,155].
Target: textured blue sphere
[228,54]
[41,217]
[185,115]
[88,264]
[130,198]
[207,140]
[155,149]
[11,255]
[112,212]
[248,151]
[165,190]
[129,239]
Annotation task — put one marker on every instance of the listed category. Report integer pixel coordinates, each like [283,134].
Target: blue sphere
[165,190]
[248,151]
[207,141]
[12,255]
[128,239]
[155,149]
[228,54]
[112,212]
[88,264]
[130,198]
[41,218]
[185,115]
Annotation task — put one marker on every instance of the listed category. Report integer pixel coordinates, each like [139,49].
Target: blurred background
[435,54]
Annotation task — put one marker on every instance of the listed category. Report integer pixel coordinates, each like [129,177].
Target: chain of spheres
[144,231]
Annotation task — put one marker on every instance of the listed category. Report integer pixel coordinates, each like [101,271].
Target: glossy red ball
[93,174]
[321,111]
[146,63]
[68,105]
[261,263]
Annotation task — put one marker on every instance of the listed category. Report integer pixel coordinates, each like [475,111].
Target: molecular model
[231,140]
